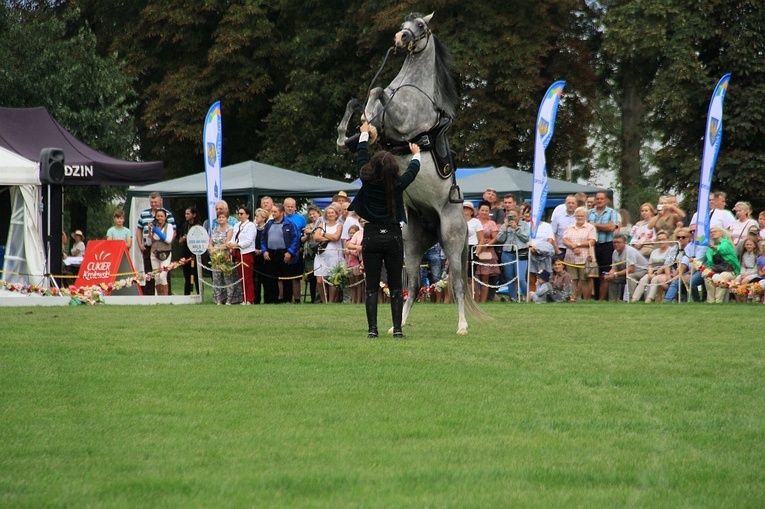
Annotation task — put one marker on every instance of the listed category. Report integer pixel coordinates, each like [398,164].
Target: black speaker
[52,166]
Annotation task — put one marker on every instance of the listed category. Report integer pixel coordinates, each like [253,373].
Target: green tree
[46,64]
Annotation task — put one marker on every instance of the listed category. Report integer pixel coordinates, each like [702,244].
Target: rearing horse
[421,98]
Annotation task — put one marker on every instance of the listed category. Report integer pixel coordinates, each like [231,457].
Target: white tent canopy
[24,253]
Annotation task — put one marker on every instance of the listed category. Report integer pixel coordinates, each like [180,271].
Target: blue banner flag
[213,150]
[544,132]
[712,141]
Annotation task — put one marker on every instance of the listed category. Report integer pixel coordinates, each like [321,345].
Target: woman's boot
[371,304]
[397,309]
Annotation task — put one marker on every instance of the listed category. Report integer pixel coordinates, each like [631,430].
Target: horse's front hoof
[462,332]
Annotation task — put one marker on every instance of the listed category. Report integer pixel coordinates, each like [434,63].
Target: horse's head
[414,33]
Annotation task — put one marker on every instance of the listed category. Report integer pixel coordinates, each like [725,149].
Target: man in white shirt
[562,218]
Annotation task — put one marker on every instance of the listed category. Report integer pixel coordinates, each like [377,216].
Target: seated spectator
[642,235]
[544,290]
[686,253]
[749,273]
[627,266]
[78,248]
[721,259]
[659,269]
[560,279]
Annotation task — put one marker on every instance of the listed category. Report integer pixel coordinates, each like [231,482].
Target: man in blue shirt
[606,222]
[291,287]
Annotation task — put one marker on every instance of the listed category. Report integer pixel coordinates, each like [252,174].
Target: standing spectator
[309,250]
[267,204]
[742,223]
[625,225]
[722,260]
[628,266]
[222,281]
[514,235]
[490,195]
[143,234]
[541,249]
[579,239]
[475,238]
[604,219]
[258,270]
[508,203]
[590,202]
[667,218]
[280,245]
[380,201]
[161,250]
[718,216]
[642,234]
[562,218]
[330,252]
[352,259]
[190,268]
[488,270]
[242,245]
[221,207]
[119,231]
[294,269]
[659,269]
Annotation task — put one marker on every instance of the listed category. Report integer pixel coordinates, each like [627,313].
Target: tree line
[135,78]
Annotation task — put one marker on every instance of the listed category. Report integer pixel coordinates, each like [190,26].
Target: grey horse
[417,101]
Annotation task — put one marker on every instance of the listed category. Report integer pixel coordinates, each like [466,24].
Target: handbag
[162,255]
[484,256]
[591,268]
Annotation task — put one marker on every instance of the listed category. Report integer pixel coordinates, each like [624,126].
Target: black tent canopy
[26,131]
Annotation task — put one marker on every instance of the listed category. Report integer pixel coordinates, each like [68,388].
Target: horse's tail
[471,306]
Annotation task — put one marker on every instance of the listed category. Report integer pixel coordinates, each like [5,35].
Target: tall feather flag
[544,132]
[712,142]
[213,150]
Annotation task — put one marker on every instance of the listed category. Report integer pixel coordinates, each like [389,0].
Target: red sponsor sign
[104,262]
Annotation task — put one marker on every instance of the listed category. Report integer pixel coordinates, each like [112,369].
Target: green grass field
[584,405]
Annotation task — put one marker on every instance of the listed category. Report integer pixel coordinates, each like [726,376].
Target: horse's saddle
[434,141]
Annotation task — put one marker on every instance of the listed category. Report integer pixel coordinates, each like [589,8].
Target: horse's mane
[446,89]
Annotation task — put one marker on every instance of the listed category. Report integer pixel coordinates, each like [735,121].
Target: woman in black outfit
[189,269]
[380,201]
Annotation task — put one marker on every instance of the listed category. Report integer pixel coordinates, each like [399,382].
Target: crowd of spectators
[587,251]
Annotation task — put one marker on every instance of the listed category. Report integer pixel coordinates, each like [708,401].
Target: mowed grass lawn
[584,405]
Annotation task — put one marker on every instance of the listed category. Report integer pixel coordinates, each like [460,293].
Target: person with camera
[162,234]
[143,232]
[514,237]
[667,218]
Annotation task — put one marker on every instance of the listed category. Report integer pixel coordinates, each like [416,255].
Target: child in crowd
[353,260]
[748,260]
[560,279]
[118,231]
[544,289]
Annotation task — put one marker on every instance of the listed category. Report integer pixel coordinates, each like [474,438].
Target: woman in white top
[475,238]
[330,256]
[242,246]
[740,227]
[659,268]
[162,234]
[641,234]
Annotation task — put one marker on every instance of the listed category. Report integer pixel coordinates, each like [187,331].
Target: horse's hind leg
[453,242]
[415,244]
